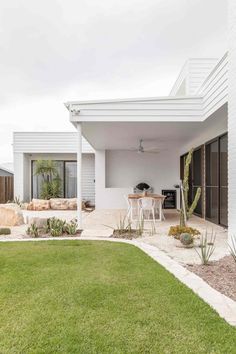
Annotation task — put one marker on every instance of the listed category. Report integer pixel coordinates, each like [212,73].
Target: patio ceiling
[126,135]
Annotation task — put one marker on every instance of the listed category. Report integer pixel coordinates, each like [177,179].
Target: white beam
[79,176]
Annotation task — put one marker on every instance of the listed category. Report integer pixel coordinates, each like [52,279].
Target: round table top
[148,195]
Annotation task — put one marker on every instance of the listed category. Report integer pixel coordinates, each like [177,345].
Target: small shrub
[186,239]
[5,231]
[207,247]
[71,227]
[56,227]
[177,230]
[33,231]
[232,247]
[17,201]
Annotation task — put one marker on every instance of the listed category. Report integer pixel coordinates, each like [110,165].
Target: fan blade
[151,151]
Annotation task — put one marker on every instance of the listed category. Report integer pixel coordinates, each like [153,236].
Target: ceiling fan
[140,149]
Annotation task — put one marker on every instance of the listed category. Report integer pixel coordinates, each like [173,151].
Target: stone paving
[100,223]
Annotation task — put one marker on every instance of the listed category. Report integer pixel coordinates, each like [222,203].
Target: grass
[100,297]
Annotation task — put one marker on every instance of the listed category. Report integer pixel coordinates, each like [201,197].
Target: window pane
[198,209]
[224,206]
[38,180]
[197,167]
[71,179]
[224,161]
[212,204]
[224,180]
[212,164]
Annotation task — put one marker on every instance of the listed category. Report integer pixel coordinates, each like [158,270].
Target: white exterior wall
[118,172]
[192,76]
[55,146]
[232,118]
[216,127]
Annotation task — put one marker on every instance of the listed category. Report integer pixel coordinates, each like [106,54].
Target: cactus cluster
[186,239]
[186,210]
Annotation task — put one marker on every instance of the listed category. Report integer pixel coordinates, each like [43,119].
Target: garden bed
[124,234]
[221,275]
[43,235]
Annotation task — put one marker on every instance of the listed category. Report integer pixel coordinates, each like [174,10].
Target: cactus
[5,231]
[186,210]
[32,230]
[186,239]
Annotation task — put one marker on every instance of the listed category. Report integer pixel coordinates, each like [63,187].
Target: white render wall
[232,118]
[118,172]
[55,146]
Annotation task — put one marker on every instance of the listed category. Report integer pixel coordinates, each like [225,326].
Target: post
[232,119]
[79,176]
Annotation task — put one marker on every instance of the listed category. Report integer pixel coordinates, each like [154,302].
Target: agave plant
[232,247]
[207,247]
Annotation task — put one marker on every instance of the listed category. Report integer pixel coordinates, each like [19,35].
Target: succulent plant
[5,231]
[186,239]
[32,230]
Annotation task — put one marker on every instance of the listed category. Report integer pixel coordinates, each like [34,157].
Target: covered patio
[168,129]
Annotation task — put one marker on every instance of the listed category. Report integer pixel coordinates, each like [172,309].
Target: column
[79,176]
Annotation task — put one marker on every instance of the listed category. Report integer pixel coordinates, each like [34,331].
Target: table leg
[160,210]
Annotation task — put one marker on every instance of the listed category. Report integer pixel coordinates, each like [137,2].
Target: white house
[193,115]
[28,147]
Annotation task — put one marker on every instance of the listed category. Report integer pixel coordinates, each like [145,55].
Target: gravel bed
[221,275]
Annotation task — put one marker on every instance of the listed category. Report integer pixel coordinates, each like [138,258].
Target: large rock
[41,223]
[59,204]
[72,203]
[11,215]
[40,204]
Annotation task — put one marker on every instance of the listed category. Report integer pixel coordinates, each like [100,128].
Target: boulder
[41,223]
[11,215]
[72,203]
[40,204]
[59,204]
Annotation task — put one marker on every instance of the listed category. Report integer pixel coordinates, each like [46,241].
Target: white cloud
[54,51]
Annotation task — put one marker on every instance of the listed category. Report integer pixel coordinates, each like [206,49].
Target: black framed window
[67,172]
[212,181]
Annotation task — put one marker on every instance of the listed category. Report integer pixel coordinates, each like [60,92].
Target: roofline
[213,71]
[134,99]
[6,169]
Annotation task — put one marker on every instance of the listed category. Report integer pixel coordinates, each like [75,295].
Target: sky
[56,51]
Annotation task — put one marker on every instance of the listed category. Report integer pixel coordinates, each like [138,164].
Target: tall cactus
[186,210]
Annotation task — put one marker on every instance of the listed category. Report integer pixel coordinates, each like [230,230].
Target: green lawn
[100,297]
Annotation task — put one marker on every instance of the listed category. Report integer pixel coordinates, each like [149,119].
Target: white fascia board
[157,109]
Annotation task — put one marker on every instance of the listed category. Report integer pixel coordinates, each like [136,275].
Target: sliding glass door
[212,181]
[217,180]
[224,180]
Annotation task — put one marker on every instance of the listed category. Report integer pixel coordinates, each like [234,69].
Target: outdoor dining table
[158,197]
